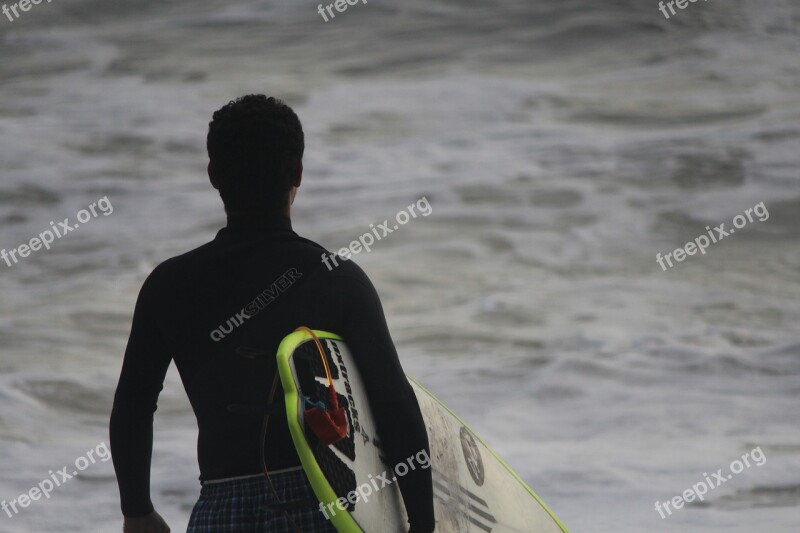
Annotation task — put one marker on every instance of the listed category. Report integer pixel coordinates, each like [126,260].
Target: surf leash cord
[329,425]
[264,457]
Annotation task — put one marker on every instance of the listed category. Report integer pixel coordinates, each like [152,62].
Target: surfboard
[474,490]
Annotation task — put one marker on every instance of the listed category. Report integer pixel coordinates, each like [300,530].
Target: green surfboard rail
[342,520]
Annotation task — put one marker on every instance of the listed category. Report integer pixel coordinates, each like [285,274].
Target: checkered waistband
[248,504]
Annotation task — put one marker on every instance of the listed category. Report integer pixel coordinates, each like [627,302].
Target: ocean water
[562,145]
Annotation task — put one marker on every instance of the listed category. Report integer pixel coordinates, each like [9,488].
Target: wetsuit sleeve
[141,380]
[397,414]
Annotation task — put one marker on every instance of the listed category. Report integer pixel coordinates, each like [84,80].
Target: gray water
[561,144]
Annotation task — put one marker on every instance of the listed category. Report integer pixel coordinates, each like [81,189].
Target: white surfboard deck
[474,490]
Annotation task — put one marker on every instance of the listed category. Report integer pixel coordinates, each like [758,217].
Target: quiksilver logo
[278,287]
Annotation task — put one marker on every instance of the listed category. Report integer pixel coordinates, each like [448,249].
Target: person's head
[255,149]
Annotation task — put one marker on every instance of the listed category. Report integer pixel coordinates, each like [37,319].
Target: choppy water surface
[561,144]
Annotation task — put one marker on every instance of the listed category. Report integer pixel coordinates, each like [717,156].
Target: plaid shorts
[235,506]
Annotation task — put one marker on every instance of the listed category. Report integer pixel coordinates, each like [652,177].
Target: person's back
[220,312]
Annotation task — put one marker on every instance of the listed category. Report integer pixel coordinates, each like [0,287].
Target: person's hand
[152,523]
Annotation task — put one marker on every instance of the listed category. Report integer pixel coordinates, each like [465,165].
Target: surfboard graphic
[474,490]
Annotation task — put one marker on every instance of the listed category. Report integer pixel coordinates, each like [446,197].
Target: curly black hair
[255,146]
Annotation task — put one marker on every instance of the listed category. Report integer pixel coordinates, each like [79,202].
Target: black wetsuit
[188,297]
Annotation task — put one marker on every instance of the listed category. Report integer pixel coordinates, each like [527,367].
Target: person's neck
[259,219]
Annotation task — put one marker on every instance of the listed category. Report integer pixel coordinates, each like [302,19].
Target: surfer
[255,146]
